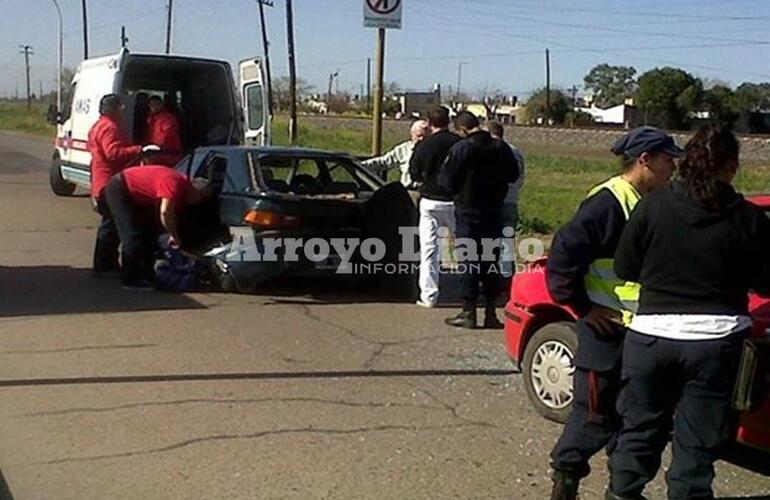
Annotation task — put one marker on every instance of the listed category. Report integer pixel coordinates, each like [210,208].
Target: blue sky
[502,41]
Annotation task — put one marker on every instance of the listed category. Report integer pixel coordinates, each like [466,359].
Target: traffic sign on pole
[384,14]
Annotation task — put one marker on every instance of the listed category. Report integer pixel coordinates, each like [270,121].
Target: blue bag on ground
[175,272]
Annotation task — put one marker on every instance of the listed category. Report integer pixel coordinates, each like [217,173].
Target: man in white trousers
[436,205]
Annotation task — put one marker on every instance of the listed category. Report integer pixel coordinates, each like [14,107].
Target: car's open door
[254,101]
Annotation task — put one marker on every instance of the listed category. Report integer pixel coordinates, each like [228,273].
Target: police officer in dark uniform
[697,248]
[477,172]
[580,274]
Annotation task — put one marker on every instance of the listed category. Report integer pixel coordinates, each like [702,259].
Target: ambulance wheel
[548,369]
[59,186]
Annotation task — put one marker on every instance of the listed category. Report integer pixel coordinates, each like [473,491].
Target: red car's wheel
[548,368]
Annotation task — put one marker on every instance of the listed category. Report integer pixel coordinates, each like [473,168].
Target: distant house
[625,115]
[418,104]
[509,113]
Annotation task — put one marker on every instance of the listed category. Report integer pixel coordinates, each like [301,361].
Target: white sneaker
[424,304]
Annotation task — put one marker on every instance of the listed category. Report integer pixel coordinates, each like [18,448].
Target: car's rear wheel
[548,368]
[59,186]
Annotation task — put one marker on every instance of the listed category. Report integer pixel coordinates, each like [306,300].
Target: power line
[610,12]
[605,29]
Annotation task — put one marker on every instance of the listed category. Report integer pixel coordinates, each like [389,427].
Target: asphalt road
[306,393]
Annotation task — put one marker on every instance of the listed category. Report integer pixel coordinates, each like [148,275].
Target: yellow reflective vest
[602,285]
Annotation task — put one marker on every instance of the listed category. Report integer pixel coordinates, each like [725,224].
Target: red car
[541,340]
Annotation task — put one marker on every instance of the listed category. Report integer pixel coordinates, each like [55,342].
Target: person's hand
[151,148]
[173,242]
[603,319]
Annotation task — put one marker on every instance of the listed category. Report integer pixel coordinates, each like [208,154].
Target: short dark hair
[109,104]
[466,120]
[155,98]
[495,128]
[439,117]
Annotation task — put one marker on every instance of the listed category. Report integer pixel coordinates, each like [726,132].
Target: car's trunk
[378,215]
[199,92]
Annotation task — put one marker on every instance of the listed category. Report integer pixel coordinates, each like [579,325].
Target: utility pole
[266,49]
[337,81]
[332,76]
[368,84]
[459,77]
[378,91]
[85,30]
[40,95]
[60,57]
[547,87]
[292,74]
[168,26]
[574,90]
[123,37]
[27,51]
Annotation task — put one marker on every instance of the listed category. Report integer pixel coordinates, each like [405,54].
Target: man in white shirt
[399,156]
[510,215]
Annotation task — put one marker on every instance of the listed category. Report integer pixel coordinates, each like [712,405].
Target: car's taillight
[264,219]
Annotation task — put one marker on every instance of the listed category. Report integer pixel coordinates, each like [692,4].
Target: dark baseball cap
[646,140]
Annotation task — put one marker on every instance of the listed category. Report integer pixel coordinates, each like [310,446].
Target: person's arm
[385,162]
[522,169]
[116,150]
[761,264]
[629,256]
[168,221]
[588,236]
[451,174]
[417,163]
[511,164]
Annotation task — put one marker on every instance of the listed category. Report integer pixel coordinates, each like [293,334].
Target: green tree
[668,94]
[610,84]
[722,103]
[560,106]
[753,97]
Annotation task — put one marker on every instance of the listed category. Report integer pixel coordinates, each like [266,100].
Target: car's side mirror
[53,116]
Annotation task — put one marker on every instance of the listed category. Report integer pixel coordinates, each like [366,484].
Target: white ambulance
[202,92]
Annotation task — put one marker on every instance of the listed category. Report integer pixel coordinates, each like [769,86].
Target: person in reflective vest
[580,275]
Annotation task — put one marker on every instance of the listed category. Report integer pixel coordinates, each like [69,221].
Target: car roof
[275,151]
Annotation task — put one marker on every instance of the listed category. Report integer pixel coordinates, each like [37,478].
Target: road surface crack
[253,436]
[351,404]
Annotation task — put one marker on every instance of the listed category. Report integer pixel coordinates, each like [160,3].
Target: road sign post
[380,14]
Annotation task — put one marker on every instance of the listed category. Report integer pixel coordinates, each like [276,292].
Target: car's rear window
[313,175]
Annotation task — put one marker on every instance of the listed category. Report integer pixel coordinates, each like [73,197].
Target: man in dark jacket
[477,173]
[436,206]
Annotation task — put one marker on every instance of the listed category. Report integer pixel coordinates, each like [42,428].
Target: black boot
[565,486]
[490,318]
[465,318]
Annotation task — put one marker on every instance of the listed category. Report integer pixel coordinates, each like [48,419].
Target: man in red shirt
[164,129]
[110,153]
[139,198]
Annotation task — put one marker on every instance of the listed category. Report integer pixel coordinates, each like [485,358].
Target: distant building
[418,104]
[625,115]
[510,113]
